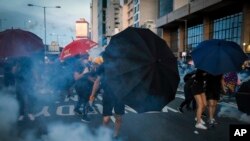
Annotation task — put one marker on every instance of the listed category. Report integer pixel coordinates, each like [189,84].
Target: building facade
[193,21]
[101,16]
[113,18]
[94,20]
[139,13]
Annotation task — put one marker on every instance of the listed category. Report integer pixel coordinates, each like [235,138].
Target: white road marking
[166,108]
[127,108]
[99,97]
[99,107]
[180,96]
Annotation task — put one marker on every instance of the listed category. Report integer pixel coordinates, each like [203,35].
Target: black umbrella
[217,56]
[141,70]
[243,97]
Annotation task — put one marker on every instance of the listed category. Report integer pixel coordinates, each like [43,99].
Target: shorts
[213,95]
[110,103]
[197,88]
[83,93]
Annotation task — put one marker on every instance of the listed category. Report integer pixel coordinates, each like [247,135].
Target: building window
[228,28]
[165,7]
[136,17]
[136,24]
[194,36]
[135,2]
[174,40]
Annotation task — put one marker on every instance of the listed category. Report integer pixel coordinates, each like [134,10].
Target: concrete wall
[148,11]
[179,3]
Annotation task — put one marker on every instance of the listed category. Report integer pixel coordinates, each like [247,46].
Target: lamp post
[44,14]
[1,24]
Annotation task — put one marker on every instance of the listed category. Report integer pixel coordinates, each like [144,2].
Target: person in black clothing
[83,86]
[24,77]
[110,102]
[188,79]
[9,78]
[213,89]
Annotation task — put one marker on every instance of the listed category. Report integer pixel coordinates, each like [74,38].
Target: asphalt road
[168,125]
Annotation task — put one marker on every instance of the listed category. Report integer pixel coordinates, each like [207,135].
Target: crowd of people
[87,78]
[204,90]
[80,73]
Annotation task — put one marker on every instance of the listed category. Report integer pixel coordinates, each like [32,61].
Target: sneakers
[91,109]
[180,109]
[202,121]
[200,126]
[212,121]
[31,117]
[116,138]
[85,119]
[21,117]
[78,112]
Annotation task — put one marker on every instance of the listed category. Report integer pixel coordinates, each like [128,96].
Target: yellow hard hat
[98,60]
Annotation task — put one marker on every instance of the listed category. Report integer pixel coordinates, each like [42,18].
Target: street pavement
[168,125]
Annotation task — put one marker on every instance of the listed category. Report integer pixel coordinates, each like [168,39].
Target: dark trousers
[24,100]
[83,98]
[188,95]
[187,102]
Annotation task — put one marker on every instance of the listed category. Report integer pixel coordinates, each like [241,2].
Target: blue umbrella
[217,56]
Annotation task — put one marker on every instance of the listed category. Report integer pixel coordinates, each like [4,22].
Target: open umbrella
[218,56]
[76,47]
[243,97]
[141,70]
[17,42]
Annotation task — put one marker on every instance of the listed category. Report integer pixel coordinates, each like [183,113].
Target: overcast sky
[60,22]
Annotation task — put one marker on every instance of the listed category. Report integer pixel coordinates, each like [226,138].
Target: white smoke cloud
[245,118]
[8,113]
[76,132]
[95,51]
[55,131]
[232,112]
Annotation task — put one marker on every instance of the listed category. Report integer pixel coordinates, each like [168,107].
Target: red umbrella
[17,42]
[77,47]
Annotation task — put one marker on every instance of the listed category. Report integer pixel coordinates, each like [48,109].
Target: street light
[1,23]
[44,14]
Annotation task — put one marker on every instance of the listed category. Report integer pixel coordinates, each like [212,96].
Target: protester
[9,78]
[198,90]
[109,102]
[83,86]
[214,86]
[25,81]
[231,82]
[188,79]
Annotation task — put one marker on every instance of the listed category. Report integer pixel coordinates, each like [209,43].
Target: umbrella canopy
[17,43]
[218,56]
[141,70]
[76,47]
